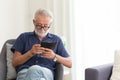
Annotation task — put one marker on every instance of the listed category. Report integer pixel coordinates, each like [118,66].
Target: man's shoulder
[27,33]
[53,36]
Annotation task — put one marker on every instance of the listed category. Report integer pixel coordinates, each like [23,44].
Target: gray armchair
[3,64]
[101,72]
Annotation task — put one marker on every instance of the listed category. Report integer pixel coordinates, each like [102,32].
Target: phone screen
[48,45]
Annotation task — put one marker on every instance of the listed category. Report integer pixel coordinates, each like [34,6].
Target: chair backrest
[3,64]
[3,61]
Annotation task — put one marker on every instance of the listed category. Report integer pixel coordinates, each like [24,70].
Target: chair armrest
[58,71]
[101,72]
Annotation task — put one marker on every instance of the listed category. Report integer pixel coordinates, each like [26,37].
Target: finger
[46,56]
[47,50]
[39,48]
[37,45]
[42,48]
[43,55]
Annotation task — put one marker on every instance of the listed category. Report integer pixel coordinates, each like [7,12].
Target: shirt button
[38,55]
[36,61]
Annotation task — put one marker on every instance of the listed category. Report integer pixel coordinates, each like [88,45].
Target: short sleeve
[19,44]
[61,49]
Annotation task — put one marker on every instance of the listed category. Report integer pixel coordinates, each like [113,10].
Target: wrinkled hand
[48,53]
[37,49]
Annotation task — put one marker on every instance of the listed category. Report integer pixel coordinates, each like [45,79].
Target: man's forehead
[43,19]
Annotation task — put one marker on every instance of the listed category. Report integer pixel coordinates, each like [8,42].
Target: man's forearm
[65,61]
[21,59]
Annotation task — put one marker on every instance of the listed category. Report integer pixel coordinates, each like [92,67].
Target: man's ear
[33,21]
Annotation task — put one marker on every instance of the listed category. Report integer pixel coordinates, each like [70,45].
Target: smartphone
[48,45]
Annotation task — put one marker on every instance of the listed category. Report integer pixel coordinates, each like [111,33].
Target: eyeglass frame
[45,27]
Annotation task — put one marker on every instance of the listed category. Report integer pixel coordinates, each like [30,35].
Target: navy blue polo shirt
[25,42]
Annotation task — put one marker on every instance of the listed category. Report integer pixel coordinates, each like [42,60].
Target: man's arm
[19,58]
[48,53]
[65,61]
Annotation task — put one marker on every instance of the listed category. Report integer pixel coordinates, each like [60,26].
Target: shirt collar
[49,35]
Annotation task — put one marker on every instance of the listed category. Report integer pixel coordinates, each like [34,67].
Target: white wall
[13,19]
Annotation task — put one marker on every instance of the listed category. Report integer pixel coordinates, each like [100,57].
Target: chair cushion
[11,72]
[116,67]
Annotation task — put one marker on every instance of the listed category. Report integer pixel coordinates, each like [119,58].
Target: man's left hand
[48,53]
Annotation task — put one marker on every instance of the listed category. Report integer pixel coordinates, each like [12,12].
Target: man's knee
[35,68]
[39,72]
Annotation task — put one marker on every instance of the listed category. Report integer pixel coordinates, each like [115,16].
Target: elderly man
[33,61]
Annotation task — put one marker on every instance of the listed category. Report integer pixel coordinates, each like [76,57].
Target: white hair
[44,12]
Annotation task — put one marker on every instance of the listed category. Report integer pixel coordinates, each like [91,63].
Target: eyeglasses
[45,27]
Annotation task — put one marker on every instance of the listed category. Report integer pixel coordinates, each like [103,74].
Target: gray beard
[41,34]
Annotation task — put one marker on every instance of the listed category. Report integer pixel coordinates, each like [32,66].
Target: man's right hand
[37,49]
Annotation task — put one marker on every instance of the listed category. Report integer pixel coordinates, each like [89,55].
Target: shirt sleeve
[19,44]
[61,49]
